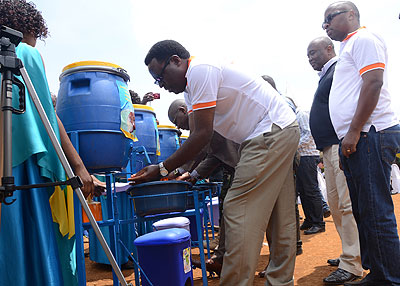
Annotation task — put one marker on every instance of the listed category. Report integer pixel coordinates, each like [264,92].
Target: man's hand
[88,186]
[187,177]
[349,143]
[184,177]
[149,173]
[147,97]
[99,187]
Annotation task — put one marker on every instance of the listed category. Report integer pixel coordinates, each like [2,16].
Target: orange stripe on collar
[353,33]
[190,59]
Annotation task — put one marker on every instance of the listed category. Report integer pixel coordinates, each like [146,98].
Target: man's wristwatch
[163,170]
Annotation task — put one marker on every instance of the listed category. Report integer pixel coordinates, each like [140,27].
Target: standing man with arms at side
[361,113]
[248,111]
[322,57]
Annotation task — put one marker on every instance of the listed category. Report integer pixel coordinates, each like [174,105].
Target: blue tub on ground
[153,197]
[164,257]
[147,134]
[169,141]
[88,104]
[172,222]
[96,252]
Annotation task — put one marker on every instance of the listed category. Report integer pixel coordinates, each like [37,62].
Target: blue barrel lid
[163,237]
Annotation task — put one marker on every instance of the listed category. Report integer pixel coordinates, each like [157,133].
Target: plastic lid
[90,63]
[163,237]
[94,66]
[143,107]
[167,127]
[172,222]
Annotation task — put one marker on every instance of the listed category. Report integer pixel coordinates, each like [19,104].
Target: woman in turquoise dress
[32,250]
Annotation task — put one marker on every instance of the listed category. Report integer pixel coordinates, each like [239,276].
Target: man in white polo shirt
[248,111]
[363,119]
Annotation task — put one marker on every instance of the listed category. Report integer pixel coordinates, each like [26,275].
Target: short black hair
[24,17]
[162,50]
[135,98]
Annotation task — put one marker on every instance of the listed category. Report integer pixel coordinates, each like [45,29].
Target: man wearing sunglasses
[362,116]
[248,111]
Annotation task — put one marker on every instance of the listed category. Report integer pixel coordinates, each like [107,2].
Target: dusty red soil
[311,266]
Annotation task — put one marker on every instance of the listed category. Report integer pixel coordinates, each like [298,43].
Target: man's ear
[177,60]
[183,109]
[352,15]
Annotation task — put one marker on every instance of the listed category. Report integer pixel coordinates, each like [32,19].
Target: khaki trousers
[342,214]
[262,197]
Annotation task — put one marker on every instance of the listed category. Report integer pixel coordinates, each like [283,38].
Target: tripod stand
[10,65]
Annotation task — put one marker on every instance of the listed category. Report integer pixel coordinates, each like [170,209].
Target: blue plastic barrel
[169,141]
[147,134]
[182,139]
[89,107]
[165,257]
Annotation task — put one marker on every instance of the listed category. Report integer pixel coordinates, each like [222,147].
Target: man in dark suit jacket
[322,58]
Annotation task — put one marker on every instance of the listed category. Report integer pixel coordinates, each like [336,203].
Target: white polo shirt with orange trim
[245,106]
[360,52]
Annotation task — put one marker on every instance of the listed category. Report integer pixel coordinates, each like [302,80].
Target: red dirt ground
[311,266]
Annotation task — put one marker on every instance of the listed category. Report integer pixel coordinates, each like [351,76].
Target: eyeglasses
[330,17]
[160,77]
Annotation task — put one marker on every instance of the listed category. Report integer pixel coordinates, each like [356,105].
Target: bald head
[178,115]
[341,18]
[319,52]
[346,5]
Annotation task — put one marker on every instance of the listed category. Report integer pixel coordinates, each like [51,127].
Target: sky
[267,37]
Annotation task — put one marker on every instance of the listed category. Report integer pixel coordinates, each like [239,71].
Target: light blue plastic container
[169,141]
[89,106]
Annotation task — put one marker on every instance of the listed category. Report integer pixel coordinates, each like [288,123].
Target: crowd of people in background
[266,147]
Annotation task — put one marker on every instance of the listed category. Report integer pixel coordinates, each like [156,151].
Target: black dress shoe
[299,250]
[339,276]
[314,229]
[327,212]
[334,262]
[212,265]
[367,281]
[305,225]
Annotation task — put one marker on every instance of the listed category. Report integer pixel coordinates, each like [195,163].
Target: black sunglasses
[330,17]
[160,77]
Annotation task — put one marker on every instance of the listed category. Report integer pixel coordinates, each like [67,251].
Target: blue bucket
[165,257]
[169,141]
[89,107]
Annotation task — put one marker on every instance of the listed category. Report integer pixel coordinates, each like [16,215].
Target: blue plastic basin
[158,197]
